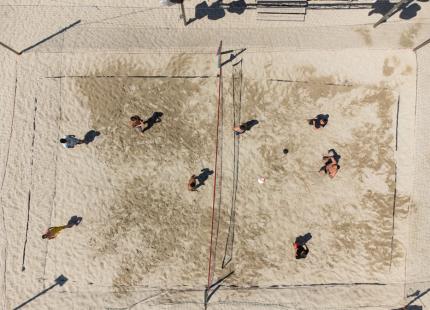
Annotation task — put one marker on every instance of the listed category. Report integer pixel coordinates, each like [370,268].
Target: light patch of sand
[367,37]
[390,65]
[407,37]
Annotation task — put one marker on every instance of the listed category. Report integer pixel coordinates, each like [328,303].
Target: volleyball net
[217,187]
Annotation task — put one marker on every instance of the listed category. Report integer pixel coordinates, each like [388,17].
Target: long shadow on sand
[155,118]
[407,11]
[90,136]
[61,280]
[203,176]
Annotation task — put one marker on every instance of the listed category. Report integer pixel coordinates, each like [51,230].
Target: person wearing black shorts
[320,121]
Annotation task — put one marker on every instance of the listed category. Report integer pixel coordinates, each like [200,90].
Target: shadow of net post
[215,286]
[61,280]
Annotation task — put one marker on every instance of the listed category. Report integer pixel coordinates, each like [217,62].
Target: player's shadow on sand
[407,11]
[249,124]
[155,118]
[74,221]
[304,239]
[90,136]
[203,176]
[217,10]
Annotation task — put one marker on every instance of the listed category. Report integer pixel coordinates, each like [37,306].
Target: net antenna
[211,263]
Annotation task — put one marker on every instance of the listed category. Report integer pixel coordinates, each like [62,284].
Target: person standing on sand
[192,183]
[302,250]
[319,121]
[244,127]
[70,141]
[240,129]
[137,123]
[54,231]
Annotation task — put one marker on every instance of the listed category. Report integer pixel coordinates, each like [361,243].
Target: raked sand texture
[143,242]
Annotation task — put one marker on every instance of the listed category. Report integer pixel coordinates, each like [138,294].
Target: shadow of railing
[41,41]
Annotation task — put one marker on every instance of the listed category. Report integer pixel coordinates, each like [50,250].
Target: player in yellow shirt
[54,231]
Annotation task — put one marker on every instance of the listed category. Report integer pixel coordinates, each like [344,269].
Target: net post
[206,298]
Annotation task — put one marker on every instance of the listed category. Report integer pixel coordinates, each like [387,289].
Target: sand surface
[143,242]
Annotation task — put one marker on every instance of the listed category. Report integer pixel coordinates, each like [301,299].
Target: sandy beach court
[145,241]
[141,228]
